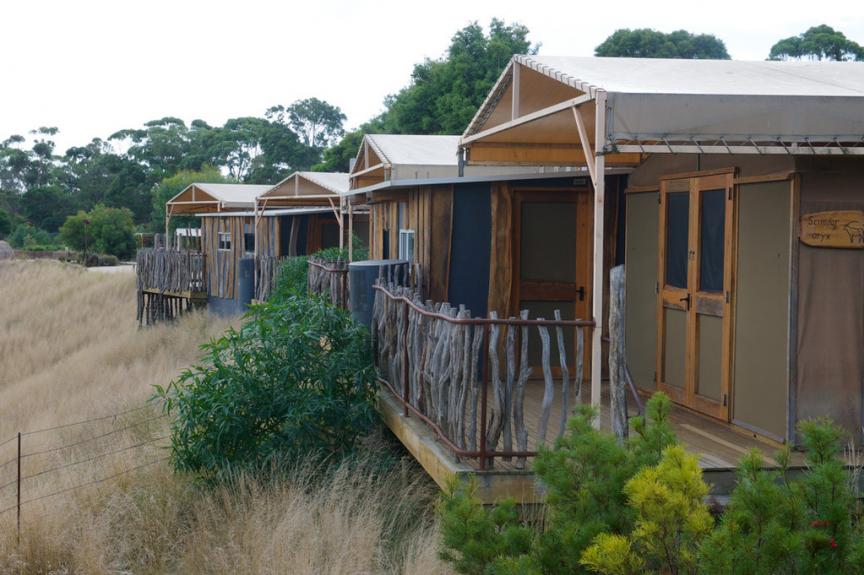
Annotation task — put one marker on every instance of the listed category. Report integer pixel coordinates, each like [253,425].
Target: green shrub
[103,230]
[292,277]
[779,524]
[296,378]
[584,476]
[671,520]
[27,237]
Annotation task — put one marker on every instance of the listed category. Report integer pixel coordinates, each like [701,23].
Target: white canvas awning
[678,106]
[202,197]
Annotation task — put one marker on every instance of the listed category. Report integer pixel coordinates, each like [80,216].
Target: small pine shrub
[584,475]
[779,524]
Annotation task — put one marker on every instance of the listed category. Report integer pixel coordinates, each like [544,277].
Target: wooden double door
[694,318]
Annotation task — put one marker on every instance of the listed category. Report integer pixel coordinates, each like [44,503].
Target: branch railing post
[18,502]
[405,383]
[484,394]
[434,352]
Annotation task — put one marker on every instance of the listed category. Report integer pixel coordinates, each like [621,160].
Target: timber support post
[617,355]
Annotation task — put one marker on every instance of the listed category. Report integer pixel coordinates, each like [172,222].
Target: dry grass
[70,350]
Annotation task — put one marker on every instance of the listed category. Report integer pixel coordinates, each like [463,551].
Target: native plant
[295,379]
[584,476]
[670,523]
[776,523]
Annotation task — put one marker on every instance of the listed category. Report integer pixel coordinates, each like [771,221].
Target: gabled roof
[652,102]
[206,197]
[395,149]
[306,189]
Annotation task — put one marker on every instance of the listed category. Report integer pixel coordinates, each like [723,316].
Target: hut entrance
[552,259]
[693,309]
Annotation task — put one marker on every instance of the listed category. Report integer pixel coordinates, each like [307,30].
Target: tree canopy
[445,93]
[647,43]
[817,43]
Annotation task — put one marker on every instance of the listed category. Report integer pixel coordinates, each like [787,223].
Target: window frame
[221,240]
[407,237]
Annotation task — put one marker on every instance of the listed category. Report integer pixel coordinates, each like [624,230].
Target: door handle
[686,300]
[581,292]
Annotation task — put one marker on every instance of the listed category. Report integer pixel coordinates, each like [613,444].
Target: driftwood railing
[329,279]
[266,271]
[471,379]
[169,282]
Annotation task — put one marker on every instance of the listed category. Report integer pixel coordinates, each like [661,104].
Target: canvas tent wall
[776,130]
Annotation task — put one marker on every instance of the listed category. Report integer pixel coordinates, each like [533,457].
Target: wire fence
[35,461]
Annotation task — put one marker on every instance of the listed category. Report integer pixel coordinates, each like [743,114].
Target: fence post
[18,504]
[405,383]
[617,354]
[483,397]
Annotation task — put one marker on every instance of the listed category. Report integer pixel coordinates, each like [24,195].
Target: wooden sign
[838,229]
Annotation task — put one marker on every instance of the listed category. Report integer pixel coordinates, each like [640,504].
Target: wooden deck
[719,446]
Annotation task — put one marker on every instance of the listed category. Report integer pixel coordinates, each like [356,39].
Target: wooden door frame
[700,303]
[584,221]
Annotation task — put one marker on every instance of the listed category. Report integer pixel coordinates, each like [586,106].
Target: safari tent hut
[227,235]
[744,263]
[314,216]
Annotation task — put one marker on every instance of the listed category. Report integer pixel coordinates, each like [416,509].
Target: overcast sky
[91,68]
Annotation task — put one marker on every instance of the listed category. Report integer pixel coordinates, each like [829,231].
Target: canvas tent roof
[661,105]
[203,197]
[395,149]
[306,189]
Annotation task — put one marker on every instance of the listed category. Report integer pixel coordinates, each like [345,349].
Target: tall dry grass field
[70,350]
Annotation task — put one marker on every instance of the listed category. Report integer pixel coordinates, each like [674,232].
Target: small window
[248,238]
[406,245]
[224,241]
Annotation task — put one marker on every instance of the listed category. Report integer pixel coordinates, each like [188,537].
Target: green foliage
[817,43]
[477,540]
[584,475]
[671,521]
[337,158]
[779,524]
[5,224]
[317,123]
[292,276]
[444,94]
[295,379]
[47,207]
[173,185]
[27,237]
[103,230]
[647,43]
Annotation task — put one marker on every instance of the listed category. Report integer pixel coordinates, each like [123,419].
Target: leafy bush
[103,230]
[27,237]
[777,524]
[584,475]
[671,521]
[292,277]
[296,378]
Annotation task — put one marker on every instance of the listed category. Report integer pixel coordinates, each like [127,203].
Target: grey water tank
[245,280]
[362,277]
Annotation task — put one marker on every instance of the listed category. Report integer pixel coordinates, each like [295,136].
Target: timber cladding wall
[222,263]
[429,212]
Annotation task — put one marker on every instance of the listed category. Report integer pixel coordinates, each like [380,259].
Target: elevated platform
[719,447]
